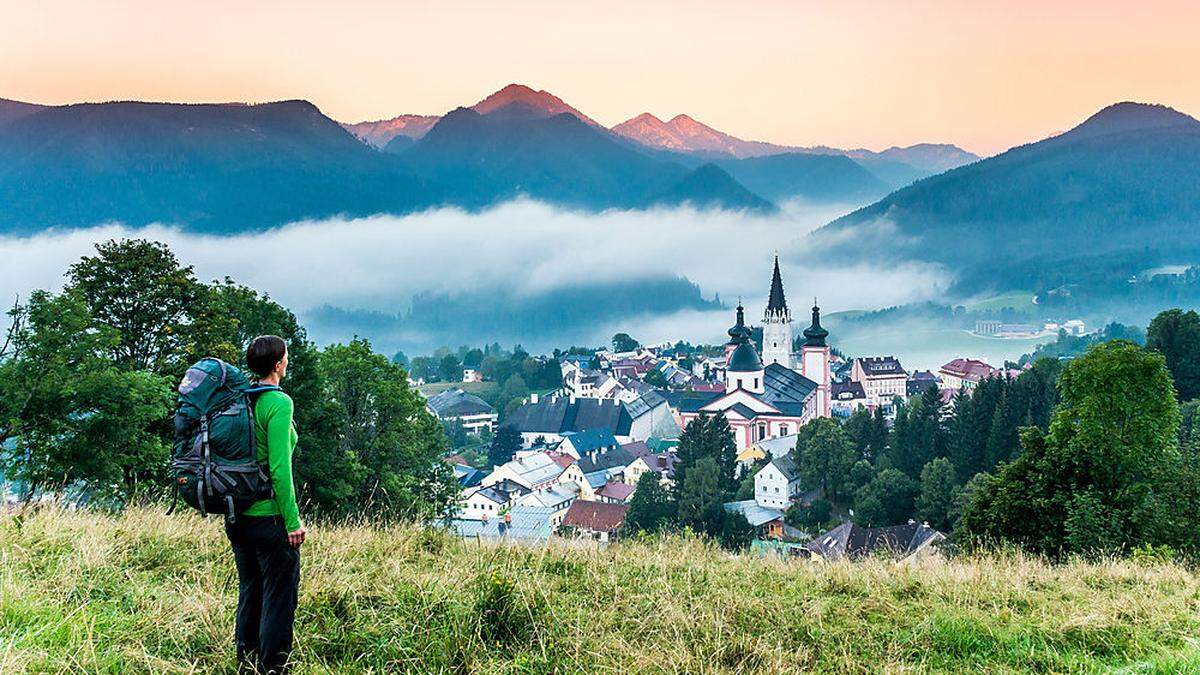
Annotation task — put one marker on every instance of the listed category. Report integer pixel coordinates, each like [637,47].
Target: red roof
[595,516]
[618,491]
[969,369]
[561,458]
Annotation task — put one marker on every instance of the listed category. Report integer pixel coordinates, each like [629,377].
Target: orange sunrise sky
[846,74]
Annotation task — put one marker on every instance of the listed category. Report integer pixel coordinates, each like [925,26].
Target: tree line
[88,378]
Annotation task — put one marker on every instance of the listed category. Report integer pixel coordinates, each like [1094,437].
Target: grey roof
[744,359]
[786,466]
[786,389]
[494,494]
[458,403]
[881,365]
[851,541]
[691,401]
[755,514]
[612,459]
[744,410]
[536,468]
[846,391]
[529,523]
[776,447]
[558,415]
[645,403]
[468,476]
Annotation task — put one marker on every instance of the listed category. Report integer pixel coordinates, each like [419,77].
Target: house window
[783,430]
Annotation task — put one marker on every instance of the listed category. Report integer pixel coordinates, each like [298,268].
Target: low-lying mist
[523,251]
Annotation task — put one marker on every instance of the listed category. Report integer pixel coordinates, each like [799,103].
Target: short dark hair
[264,352]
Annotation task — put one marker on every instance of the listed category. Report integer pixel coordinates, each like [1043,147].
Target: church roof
[776,302]
[744,359]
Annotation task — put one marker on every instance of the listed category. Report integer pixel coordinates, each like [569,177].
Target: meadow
[148,593]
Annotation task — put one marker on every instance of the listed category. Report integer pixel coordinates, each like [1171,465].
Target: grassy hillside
[150,593]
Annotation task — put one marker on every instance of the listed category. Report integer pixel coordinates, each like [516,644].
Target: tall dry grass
[143,592]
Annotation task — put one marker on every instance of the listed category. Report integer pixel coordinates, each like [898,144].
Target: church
[772,394]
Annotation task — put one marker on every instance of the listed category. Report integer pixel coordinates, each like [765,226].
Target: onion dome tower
[777,324]
[744,370]
[814,357]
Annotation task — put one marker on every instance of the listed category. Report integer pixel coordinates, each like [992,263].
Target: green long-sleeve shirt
[275,439]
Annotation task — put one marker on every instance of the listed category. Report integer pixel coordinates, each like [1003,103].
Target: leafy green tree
[887,500]
[391,443]
[736,532]
[621,342]
[72,415]
[868,430]
[138,289]
[824,454]
[504,446]
[1176,335]
[1110,461]
[937,503]
[650,508]
[400,359]
[422,368]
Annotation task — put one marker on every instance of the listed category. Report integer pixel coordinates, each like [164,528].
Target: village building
[965,373]
[533,472]
[526,524]
[763,401]
[921,380]
[647,459]
[595,520]
[882,379]
[767,449]
[550,418]
[848,396]
[583,443]
[900,542]
[777,484]
[474,413]
[557,497]
[777,325]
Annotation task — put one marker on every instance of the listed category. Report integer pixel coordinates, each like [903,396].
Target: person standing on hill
[266,537]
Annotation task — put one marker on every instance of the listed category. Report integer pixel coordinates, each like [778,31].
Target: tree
[919,435]
[392,443]
[868,430]
[650,508]
[1110,460]
[707,436]
[621,342]
[700,491]
[937,502]
[400,359]
[736,532]
[72,415]
[450,369]
[422,368]
[504,446]
[139,290]
[824,454]
[886,500]
[1176,335]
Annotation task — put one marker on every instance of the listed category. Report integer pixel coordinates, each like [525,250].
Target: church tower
[777,325]
[814,361]
[744,370]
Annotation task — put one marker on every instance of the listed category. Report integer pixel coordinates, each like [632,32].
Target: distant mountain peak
[1130,116]
[521,97]
[381,132]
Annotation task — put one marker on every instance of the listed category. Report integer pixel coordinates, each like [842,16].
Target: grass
[143,592]
[1011,300]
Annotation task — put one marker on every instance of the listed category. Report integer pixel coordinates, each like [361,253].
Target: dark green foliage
[650,508]
[816,177]
[621,342]
[1107,476]
[811,517]
[887,500]
[1176,335]
[824,454]
[918,435]
[504,446]
[937,503]
[707,436]
[869,432]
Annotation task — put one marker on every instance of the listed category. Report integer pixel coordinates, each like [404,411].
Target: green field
[147,593]
[1011,300]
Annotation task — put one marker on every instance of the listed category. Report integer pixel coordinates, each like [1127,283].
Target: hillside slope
[152,593]
[212,167]
[1124,179]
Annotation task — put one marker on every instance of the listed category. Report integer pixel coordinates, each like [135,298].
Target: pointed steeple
[776,303]
[814,335]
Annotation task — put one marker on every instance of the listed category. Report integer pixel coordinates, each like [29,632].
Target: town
[566,464]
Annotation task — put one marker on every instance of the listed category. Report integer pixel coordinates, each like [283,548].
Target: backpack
[214,462]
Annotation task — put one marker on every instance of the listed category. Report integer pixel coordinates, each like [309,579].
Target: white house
[474,413]
[558,498]
[534,472]
[484,502]
[882,378]
[777,483]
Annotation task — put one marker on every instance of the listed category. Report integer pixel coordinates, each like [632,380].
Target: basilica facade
[775,393]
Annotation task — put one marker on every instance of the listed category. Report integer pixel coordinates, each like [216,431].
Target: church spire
[776,303]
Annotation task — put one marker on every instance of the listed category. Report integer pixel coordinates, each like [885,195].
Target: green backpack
[214,462]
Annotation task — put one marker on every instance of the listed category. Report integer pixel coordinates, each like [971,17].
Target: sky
[985,76]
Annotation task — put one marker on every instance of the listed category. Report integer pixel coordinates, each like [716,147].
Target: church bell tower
[777,325]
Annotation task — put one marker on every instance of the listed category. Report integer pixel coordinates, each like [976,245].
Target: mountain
[14,110]
[211,167]
[379,133]
[710,186]
[895,167]
[684,134]
[515,150]
[824,178]
[1122,181]
[516,97]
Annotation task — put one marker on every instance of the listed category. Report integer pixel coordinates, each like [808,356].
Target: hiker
[266,537]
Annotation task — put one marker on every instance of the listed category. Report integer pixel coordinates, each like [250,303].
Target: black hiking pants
[268,578]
